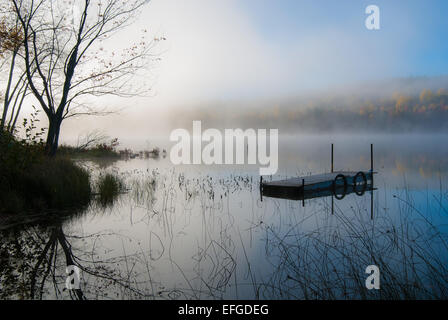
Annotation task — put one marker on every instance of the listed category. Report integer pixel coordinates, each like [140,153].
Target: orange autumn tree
[426,95]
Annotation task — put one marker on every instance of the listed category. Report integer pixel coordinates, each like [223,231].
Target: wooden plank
[311,180]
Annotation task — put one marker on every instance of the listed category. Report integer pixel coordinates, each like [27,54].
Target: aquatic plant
[109,187]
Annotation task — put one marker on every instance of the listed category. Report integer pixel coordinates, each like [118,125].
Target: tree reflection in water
[34,258]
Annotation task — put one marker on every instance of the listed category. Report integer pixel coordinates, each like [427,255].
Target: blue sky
[424,24]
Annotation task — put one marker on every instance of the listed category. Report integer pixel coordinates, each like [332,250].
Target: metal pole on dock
[303,192]
[332,158]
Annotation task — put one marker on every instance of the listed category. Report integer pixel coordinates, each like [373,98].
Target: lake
[205,232]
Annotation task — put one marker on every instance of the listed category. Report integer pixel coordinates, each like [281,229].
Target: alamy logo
[373,20]
[234,141]
[373,280]
[74,277]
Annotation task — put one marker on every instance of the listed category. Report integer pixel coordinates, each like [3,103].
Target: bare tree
[90,139]
[16,86]
[64,44]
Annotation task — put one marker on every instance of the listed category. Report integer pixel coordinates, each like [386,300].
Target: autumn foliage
[421,110]
[11,38]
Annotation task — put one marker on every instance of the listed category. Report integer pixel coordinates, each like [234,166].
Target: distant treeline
[425,111]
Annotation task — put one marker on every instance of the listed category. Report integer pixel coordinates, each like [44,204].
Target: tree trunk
[8,88]
[14,113]
[54,128]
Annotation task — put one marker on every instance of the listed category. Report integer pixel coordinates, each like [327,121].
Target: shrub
[99,150]
[109,186]
[31,181]
[57,183]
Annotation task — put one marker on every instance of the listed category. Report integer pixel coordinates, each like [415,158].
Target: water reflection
[338,192]
[204,233]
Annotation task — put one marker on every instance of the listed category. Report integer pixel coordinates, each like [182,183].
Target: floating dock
[338,183]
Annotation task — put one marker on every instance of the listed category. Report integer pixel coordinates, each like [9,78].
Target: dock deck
[319,185]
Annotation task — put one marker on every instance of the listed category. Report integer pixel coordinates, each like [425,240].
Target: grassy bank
[31,181]
[102,150]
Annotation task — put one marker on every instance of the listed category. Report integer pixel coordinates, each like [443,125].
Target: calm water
[202,232]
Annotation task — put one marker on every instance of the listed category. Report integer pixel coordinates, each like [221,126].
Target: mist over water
[204,232]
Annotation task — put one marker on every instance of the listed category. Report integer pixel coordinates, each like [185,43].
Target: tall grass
[31,181]
[329,262]
[99,151]
[109,187]
[50,184]
[59,182]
